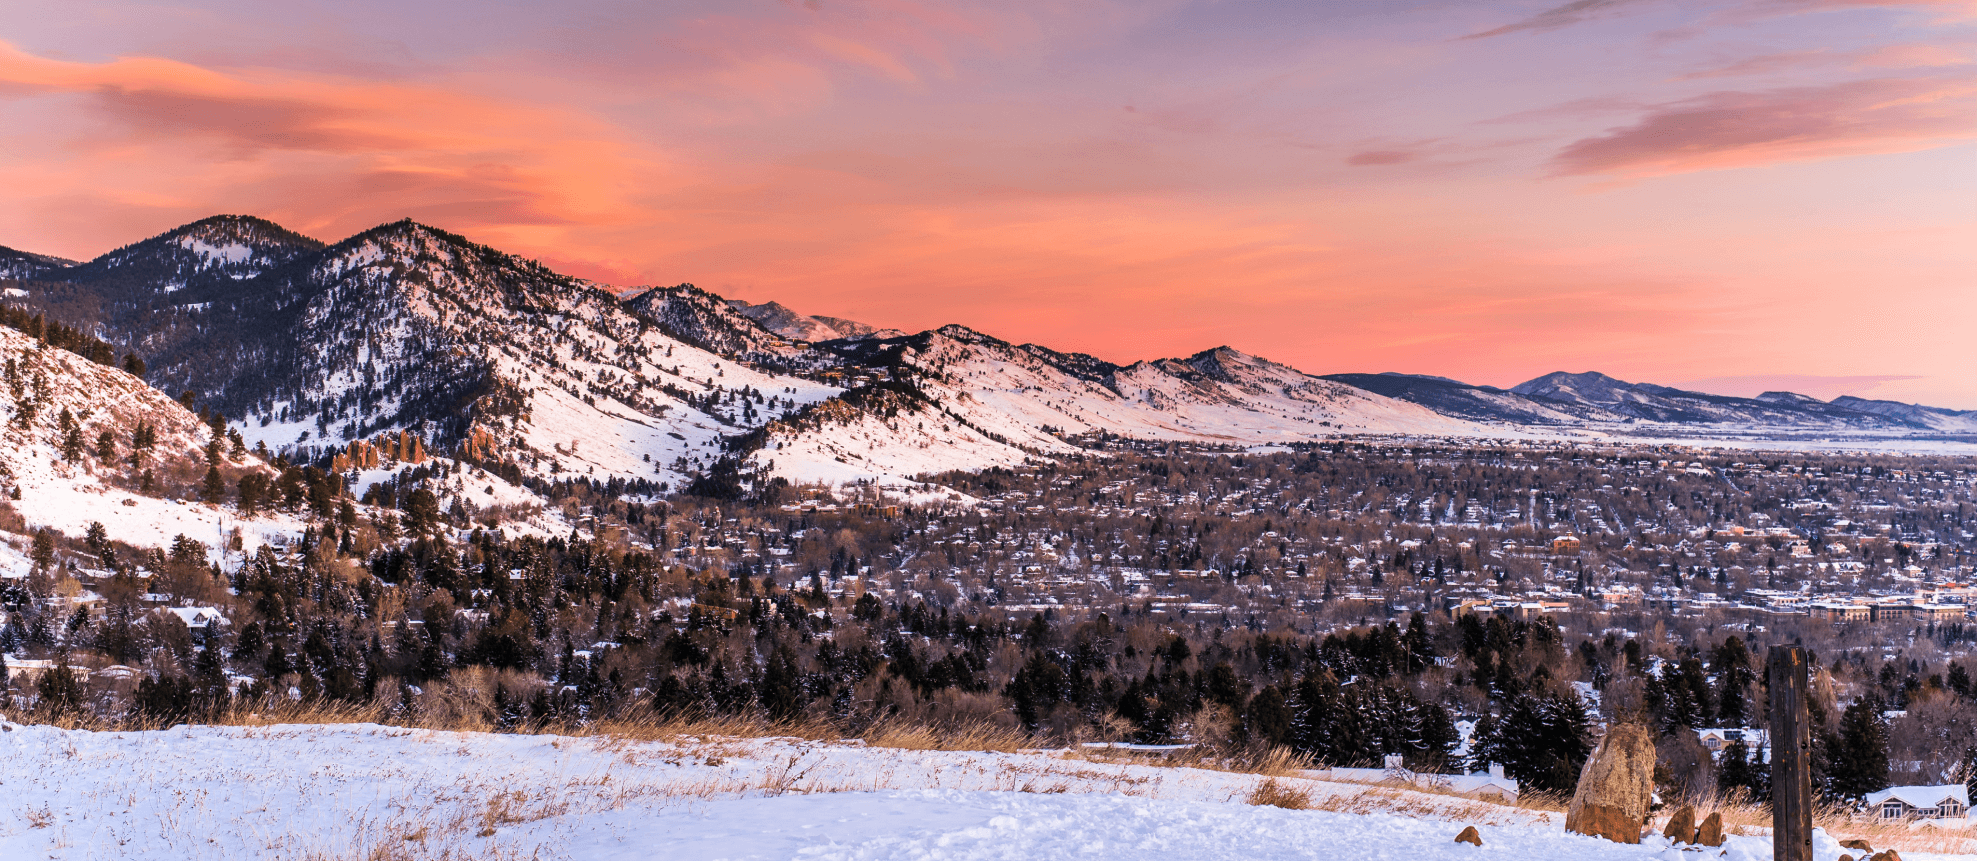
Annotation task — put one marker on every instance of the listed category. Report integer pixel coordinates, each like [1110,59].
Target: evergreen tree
[1732,664]
[1741,768]
[1858,763]
[215,489]
[61,690]
[1542,740]
[71,433]
[422,511]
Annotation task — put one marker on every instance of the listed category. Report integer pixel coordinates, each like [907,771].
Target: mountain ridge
[404,326]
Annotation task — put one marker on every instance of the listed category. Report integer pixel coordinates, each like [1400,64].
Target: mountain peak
[1591,386]
[217,249]
[23,265]
[239,228]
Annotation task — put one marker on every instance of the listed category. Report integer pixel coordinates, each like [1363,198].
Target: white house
[1920,802]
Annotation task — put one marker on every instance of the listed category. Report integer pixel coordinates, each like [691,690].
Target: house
[198,619]
[1565,545]
[1920,802]
[1715,739]
[1491,786]
[23,671]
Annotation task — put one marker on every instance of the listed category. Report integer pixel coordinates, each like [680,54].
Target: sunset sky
[1730,194]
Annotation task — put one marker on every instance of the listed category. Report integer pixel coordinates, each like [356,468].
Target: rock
[1711,832]
[1682,826]
[1857,843]
[1611,800]
[1845,857]
[1885,855]
[1470,836]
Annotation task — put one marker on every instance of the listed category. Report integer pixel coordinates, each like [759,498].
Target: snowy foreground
[366,791]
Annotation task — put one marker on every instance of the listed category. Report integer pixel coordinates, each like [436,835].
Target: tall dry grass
[1746,817]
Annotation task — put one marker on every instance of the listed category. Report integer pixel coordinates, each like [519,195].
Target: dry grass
[1271,793]
[1744,817]
[1266,761]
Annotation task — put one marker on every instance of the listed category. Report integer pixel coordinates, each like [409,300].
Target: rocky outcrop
[1611,800]
[1711,832]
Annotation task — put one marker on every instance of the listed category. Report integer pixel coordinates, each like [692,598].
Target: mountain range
[306,346]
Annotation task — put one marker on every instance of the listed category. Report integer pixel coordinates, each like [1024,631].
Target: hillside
[778,318]
[21,265]
[84,442]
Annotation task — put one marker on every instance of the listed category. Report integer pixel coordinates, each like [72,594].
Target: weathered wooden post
[1792,783]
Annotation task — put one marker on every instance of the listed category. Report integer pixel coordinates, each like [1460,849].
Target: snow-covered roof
[1921,796]
[197,617]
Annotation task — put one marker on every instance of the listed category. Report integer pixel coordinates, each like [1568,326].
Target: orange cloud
[312,148]
[1737,129]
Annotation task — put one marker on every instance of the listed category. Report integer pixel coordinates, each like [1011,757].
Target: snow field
[363,791]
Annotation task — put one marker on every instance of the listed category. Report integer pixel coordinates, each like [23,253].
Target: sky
[1733,195]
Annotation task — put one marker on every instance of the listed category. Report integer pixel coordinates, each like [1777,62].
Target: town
[1145,592]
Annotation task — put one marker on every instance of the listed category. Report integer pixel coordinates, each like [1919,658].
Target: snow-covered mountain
[213,252]
[1453,398]
[308,347]
[1602,398]
[1598,401]
[977,397]
[778,318]
[1937,418]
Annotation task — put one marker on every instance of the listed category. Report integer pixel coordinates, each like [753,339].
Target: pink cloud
[1739,129]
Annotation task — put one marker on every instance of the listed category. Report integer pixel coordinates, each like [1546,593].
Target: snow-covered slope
[778,318]
[404,326]
[1601,398]
[1936,418]
[46,384]
[971,401]
[366,791]
[1454,398]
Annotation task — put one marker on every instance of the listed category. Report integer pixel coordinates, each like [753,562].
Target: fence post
[1792,784]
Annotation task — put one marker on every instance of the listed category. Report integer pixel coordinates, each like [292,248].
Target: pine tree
[61,690]
[1732,664]
[215,490]
[1742,768]
[43,552]
[1858,763]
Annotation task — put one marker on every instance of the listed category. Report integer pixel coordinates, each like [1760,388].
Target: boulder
[1611,800]
[1470,836]
[1885,855]
[1711,832]
[1857,843]
[1682,826]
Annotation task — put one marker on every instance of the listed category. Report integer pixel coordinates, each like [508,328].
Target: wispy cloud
[1559,16]
[1743,129]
